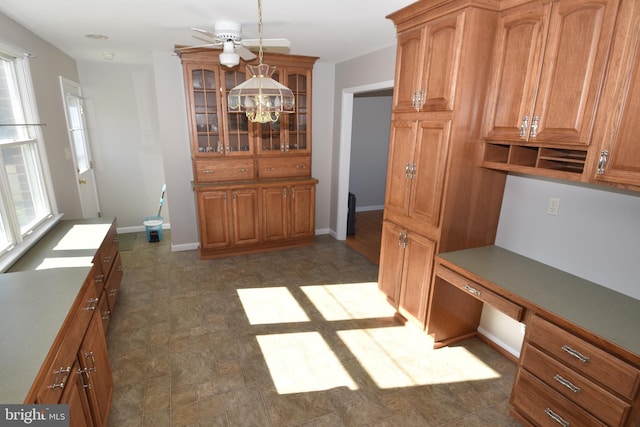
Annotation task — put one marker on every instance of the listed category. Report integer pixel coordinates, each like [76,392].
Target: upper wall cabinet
[548,67]
[615,159]
[427,64]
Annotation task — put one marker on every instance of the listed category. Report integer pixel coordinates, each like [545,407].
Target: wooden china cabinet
[239,166]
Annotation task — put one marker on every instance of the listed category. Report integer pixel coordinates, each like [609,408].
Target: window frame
[19,241]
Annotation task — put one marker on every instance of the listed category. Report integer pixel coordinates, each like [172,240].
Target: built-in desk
[580,361]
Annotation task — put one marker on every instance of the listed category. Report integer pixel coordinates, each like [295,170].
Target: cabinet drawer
[546,407]
[58,371]
[106,254]
[112,287]
[223,170]
[584,357]
[480,292]
[284,167]
[574,386]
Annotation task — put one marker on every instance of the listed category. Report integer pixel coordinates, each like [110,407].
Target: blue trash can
[153,227]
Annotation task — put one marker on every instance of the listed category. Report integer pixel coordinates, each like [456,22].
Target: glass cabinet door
[296,122]
[238,139]
[206,131]
[289,133]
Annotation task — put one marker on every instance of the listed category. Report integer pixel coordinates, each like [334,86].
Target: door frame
[344,159]
[65,82]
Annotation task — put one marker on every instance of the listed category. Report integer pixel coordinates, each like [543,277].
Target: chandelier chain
[260,30]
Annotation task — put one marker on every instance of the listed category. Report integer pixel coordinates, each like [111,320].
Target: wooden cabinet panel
[416,169]
[208,170]
[416,276]
[516,66]
[548,69]
[112,287]
[75,396]
[584,357]
[302,222]
[94,362]
[591,397]
[275,216]
[616,160]
[427,64]
[480,292]
[575,58]
[59,369]
[283,167]
[288,212]
[391,260]
[213,214]
[244,208]
[406,261]
[543,406]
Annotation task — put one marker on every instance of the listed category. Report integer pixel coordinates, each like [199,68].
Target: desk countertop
[603,311]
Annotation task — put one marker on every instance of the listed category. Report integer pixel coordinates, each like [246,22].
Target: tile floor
[292,338]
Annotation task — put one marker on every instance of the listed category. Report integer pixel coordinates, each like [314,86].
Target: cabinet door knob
[602,164]
[534,127]
[523,126]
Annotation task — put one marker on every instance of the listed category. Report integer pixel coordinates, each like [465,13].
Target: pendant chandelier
[261,98]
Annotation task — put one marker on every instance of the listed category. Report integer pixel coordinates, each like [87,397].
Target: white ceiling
[334,30]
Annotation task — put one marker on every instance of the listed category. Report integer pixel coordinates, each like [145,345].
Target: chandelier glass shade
[261,98]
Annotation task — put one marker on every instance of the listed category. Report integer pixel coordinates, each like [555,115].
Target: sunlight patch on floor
[271,305]
[348,301]
[398,357]
[303,362]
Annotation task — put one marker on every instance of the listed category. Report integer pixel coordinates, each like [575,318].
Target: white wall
[47,64]
[369,150]
[595,236]
[125,139]
[367,70]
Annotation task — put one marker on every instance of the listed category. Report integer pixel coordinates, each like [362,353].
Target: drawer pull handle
[472,290]
[106,259]
[91,304]
[301,166]
[93,368]
[574,353]
[557,418]
[568,384]
[113,292]
[269,169]
[106,315]
[207,171]
[60,384]
[99,278]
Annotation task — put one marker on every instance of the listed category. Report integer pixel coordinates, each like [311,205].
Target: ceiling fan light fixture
[260,97]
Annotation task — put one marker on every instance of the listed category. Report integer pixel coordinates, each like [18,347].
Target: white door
[80,148]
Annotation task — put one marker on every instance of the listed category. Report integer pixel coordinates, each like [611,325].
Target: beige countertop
[603,311]
[36,296]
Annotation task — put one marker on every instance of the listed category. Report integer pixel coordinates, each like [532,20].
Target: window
[25,204]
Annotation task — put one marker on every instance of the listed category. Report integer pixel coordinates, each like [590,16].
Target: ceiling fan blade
[245,53]
[214,42]
[205,32]
[266,42]
[208,45]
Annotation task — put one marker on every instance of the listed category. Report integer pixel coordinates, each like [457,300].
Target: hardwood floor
[368,235]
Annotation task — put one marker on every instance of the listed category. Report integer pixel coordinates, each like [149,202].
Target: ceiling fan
[228,36]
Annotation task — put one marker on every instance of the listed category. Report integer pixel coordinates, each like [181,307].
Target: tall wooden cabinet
[238,166]
[438,198]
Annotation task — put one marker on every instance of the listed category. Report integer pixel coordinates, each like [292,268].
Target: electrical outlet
[554,206]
